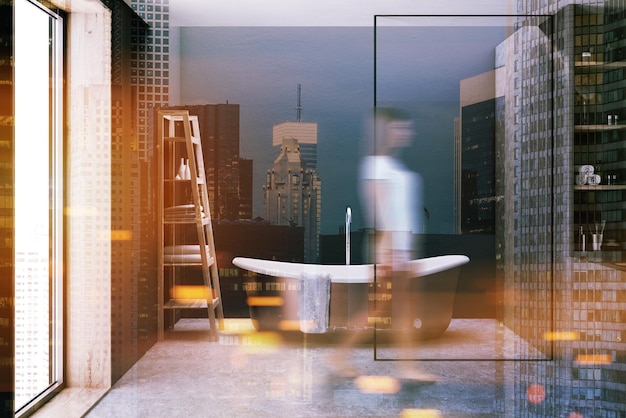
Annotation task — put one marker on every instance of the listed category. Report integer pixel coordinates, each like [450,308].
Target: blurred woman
[391,197]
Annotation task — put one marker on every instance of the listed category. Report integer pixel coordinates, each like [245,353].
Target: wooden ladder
[183,204]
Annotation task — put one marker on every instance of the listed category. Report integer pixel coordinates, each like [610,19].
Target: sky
[320,12]
[417,67]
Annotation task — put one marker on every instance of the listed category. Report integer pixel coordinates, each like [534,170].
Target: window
[38,203]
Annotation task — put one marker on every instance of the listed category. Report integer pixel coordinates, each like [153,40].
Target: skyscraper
[293,189]
[245,188]
[477,155]
[293,195]
[562,84]
[305,133]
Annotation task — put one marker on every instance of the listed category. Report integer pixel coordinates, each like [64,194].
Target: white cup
[597,241]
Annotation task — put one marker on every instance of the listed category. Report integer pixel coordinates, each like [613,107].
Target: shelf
[175,139]
[199,181]
[194,139]
[210,262]
[190,304]
[609,256]
[185,221]
[600,187]
[185,255]
[184,214]
[605,65]
[598,128]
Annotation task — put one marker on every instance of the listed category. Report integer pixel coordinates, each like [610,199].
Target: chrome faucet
[348,221]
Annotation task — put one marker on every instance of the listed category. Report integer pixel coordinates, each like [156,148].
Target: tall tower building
[150,61]
[293,195]
[293,189]
[304,132]
[477,155]
[561,79]
[131,225]
[245,188]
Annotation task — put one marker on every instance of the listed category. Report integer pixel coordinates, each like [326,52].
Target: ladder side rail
[214,271]
[160,235]
[208,226]
[194,151]
[195,191]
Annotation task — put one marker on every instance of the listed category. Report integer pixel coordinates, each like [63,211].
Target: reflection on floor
[251,374]
[472,339]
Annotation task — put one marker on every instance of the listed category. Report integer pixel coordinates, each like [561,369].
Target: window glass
[38,203]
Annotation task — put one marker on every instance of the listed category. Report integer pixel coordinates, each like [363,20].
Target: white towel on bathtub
[314,302]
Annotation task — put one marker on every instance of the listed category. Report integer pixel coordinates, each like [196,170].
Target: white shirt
[400,209]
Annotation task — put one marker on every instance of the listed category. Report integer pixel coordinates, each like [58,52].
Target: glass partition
[479,92]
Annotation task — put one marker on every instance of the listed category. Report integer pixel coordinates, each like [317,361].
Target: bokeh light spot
[535,393]
[592,359]
[561,336]
[378,384]
[420,413]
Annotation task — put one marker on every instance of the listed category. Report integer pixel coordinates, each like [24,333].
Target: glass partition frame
[524,256]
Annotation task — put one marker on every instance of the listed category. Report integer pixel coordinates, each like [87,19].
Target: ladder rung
[186,221]
[191,304]
[186,255]
[199,180]
[174,138]
[175,115]
[195,261]
[174,179]
[180,221]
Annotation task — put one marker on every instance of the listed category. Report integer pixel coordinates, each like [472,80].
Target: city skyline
[335,68]
[546,288]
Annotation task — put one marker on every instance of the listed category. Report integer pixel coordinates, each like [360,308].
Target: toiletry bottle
[582,239]
[187,171]
[181,169]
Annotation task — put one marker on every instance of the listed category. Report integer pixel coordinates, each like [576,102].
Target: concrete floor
[251,374]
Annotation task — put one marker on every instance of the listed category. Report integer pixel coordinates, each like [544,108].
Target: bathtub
[430,299]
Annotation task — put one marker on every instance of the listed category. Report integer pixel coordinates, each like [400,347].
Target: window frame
[56,200]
